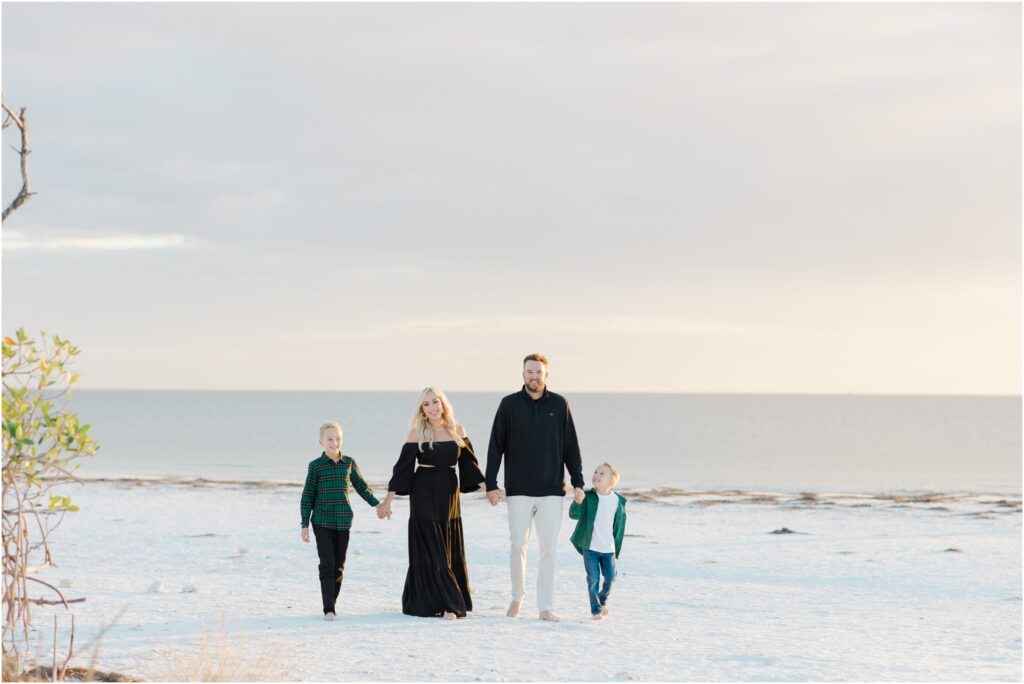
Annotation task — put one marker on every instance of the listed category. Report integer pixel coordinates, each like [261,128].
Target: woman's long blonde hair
[421,426]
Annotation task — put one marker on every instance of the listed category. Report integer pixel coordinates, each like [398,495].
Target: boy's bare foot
[328,616]
[513,609]
[450,616]
[549,616]
[598,616]
[604,610]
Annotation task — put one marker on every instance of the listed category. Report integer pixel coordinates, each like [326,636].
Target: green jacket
[585,513]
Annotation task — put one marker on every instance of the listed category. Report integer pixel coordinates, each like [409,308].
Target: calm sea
[780,443]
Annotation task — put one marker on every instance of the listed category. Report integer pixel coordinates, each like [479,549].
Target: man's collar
[527,394]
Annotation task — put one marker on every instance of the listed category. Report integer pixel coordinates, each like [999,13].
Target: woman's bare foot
[328,616]
[604,610]
[598,616]
[450,616]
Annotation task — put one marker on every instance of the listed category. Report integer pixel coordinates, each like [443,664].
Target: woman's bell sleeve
[470,475]
[401,477]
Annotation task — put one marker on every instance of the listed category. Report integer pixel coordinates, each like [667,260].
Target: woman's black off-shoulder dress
[437,581]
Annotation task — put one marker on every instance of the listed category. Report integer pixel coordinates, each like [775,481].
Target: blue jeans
[596,565]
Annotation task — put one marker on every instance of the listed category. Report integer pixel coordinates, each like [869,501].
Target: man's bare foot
[513,609]
[450,616]
[604,610]
[329,616]
[549,616]
[598,616]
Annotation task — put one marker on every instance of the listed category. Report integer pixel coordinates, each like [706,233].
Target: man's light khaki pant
[522,511]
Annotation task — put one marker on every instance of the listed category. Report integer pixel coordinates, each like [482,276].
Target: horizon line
[507,391]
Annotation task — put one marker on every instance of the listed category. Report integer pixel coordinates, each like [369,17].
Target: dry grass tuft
[222,656]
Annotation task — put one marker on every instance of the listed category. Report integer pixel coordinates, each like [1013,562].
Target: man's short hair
[536,357]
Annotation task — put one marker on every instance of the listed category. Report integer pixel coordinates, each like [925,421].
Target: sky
[694,197]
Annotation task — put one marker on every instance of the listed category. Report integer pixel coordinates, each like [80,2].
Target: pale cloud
[241,205]
[14,241]
[605,325]
[385,272]
[208,172]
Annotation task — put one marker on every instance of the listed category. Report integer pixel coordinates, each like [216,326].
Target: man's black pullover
[537,439]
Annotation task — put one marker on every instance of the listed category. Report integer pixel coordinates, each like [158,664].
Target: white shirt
[603,539]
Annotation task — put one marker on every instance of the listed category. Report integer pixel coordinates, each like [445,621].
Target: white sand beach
[864,589]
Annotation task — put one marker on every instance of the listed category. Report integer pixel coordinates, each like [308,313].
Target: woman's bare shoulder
[412,437]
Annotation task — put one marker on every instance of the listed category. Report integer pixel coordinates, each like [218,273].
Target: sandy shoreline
[1000,503]
[880,588]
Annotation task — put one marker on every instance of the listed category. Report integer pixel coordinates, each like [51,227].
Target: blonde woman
[437,461]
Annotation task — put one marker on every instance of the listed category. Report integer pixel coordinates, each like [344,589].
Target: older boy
[325,501]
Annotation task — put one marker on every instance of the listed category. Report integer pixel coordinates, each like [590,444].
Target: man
[533,430]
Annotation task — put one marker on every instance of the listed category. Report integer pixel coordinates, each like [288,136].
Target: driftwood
[72,674]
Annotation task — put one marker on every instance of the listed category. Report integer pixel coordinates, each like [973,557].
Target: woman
[437,582]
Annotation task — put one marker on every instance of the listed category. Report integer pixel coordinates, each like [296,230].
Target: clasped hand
[495,496]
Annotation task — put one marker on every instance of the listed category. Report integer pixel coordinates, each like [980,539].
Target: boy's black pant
[331,546]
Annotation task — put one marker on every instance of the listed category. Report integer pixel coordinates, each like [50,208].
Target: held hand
[578,495]
[494,496]
[383,510]
[305,534]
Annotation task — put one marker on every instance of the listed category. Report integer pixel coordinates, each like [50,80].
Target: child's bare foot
[328,616]
[450,616]
[598,616]
[604,610]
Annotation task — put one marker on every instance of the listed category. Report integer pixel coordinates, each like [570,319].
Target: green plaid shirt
[326,492]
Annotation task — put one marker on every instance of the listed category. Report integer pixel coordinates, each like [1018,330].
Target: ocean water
[783,443]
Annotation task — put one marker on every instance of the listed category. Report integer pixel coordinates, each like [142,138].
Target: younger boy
[325,496]
[601,522]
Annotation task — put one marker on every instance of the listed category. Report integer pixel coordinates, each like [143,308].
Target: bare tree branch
[71,650]
[63,601]
[48,602]
[26,180]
